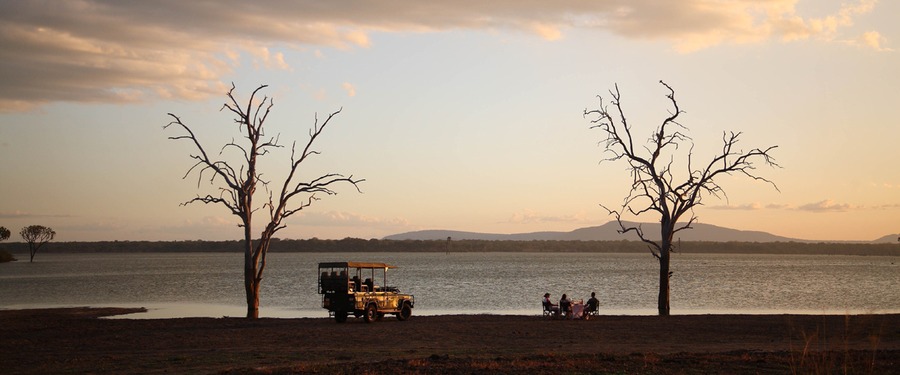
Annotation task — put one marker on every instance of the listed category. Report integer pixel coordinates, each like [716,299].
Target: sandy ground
[80,341]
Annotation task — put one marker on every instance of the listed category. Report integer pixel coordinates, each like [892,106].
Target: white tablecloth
[577,310]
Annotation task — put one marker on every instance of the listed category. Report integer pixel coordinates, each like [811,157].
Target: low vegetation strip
[80,341]
[373,245]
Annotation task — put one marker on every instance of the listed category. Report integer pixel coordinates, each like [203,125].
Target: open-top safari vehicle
[350,288]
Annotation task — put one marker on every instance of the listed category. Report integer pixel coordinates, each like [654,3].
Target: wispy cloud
[792,26]
[873,40]
[117,51]
[340,218]
[201,226]
[740,207]
[351,90]
[28,215]
[885,185]
[532,217]
[827,206]
[105,226]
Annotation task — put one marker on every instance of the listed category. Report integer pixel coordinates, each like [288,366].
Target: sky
[460,115]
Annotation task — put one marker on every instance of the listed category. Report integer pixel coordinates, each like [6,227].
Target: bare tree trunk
[253,301]
[251,287]
[668,232]
[663,302]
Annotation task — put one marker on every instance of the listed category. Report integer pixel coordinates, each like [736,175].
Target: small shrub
[6,257]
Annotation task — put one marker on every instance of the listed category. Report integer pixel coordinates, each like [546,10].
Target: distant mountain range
[609,232]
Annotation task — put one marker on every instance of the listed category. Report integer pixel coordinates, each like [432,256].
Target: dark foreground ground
[76,341]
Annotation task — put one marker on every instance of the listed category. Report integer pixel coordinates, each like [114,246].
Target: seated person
[592,306]
[370,285]
[565,306]
[549,306]
[357,285]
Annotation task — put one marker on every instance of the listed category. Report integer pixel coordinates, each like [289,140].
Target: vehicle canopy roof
[355,265]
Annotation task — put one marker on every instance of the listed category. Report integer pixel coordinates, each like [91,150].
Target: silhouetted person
[356,283]
[565,306]
[549,306]
[593,304]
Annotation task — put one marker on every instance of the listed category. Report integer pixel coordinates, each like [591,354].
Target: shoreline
[76,340]
[177,310]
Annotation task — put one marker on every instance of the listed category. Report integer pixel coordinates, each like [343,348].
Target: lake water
[210,284]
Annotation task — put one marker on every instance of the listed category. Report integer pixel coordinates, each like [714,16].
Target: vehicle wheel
[405,312]
[371,313]
[340,316]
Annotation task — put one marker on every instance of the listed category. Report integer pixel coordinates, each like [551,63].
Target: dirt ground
[79,341]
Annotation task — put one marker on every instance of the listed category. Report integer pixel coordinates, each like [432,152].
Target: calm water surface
[210,284]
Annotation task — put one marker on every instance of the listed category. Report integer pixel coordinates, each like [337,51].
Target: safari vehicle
[350,288]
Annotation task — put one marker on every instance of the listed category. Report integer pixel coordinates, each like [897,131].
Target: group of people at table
[571,309]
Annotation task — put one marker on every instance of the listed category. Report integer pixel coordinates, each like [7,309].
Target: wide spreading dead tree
[657,187]
[238,182]
[36,236]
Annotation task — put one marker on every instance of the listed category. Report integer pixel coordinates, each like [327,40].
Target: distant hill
[891,238]
[429,235]
[605,232]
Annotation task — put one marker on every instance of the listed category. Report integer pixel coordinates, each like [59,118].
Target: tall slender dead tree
[237,184]
[657,187]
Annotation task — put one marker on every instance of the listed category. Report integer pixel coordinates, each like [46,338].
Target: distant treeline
[376,245]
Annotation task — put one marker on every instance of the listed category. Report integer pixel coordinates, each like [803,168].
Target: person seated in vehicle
[549,306]
[370,285]
[356,283]
[592,305]
[565,306]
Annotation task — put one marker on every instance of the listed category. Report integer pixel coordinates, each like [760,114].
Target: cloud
[351,91]
[793,27]
[14,215]
[27,215]
[531,217]
[741,207]
[348,219]
[548,32]
[873,40]
[884,185]
[263,56]
[95,226]
[827,206]
[95,51]
[207,224]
